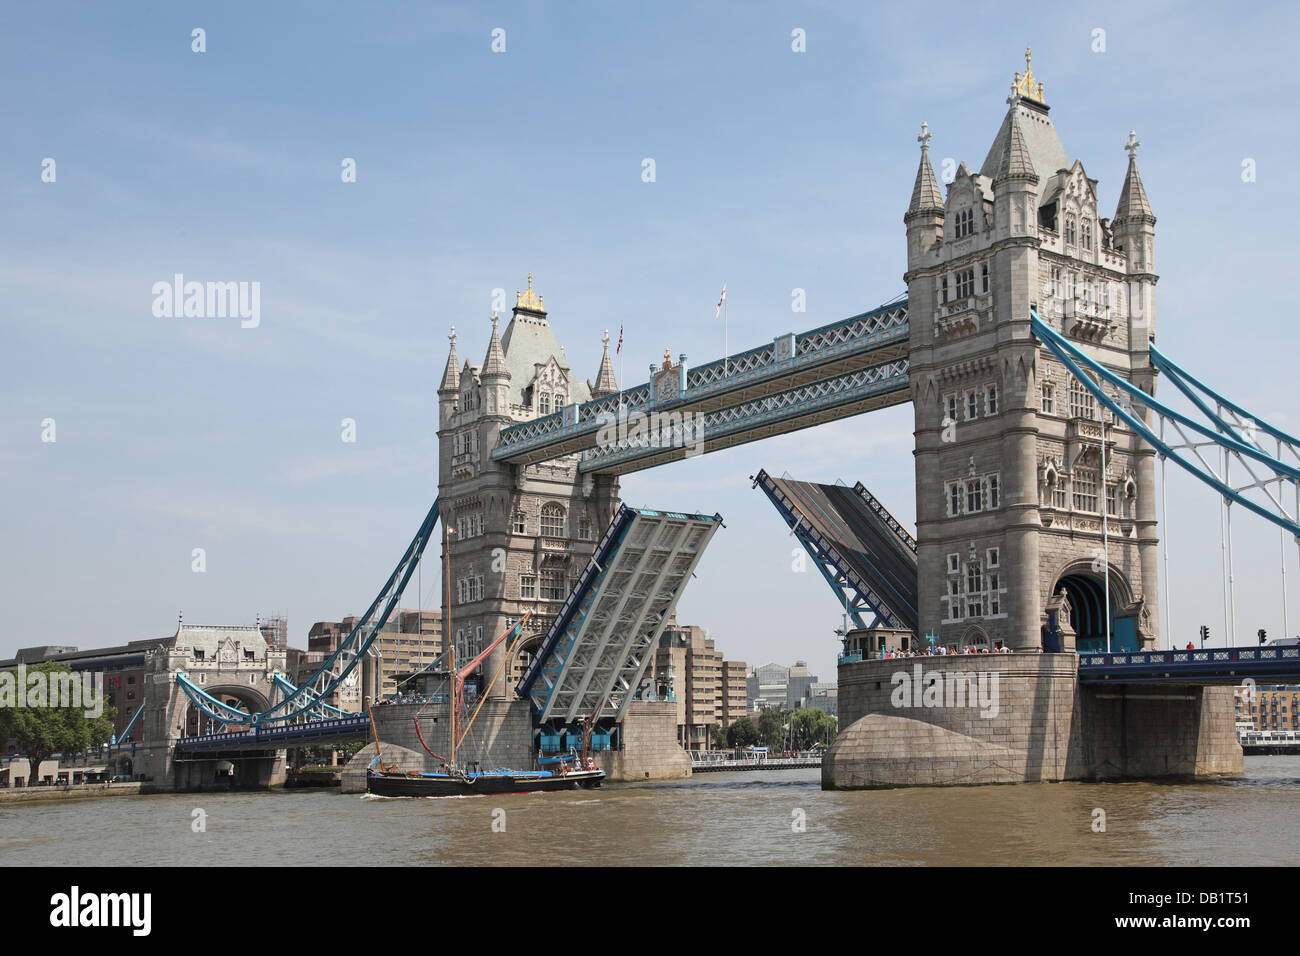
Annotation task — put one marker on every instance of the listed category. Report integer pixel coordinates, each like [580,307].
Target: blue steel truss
[862,601]
[135,718]
[1129,404]
[321,710]
[217,710]
[348,654]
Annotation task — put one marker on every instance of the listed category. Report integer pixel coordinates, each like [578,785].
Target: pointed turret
[926,197]
[451,375]
[1015,161]
[606,383]
[924,217]
[494,364]
[495,376]
[1133,203]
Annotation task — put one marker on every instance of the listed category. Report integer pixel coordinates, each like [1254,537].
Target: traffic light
[1205,634]
[1263,636]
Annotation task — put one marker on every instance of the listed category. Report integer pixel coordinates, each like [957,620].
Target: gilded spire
[1026,85]
[495,362]
[926,196]
[1133,201]
[451,375]
[606,383]
[529,300]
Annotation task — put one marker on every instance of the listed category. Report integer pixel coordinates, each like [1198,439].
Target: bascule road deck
[859,545]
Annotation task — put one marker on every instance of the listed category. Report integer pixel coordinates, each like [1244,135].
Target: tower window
[972,405]
[528,586]
[990,399]
[965,283]
[1085,490]
[1069,231]
[1085,235]
[943,289]
[950,403]
[1082,402]
[544,404]
[991,483]
[552,521]
[954,499]
[965,224]
[520,525]
[974,497]
[1047,393]
[984,278]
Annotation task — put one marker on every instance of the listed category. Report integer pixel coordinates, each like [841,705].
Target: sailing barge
[568,772]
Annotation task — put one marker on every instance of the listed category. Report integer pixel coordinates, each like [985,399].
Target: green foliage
[40,731]
[742,733]
[771,727]
[812,726]
[717,735]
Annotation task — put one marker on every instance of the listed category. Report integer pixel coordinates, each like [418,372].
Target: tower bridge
[1025,344]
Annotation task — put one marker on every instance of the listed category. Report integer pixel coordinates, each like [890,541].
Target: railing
[338,726]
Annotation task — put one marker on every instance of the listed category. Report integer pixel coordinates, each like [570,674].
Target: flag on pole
[721,299]
[620,340]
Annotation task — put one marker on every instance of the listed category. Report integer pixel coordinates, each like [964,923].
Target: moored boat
[455,783]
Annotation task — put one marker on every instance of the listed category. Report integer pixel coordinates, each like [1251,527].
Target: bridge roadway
[1211,665]
[275,737]
[798,380]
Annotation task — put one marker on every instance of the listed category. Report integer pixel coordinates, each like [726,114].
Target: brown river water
[742,819]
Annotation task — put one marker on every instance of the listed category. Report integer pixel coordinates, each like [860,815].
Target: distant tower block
[522,533]
[1010,480]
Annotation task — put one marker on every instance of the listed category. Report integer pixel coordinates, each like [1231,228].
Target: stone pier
[1020,718]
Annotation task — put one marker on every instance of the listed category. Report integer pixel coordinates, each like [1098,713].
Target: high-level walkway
[798,380]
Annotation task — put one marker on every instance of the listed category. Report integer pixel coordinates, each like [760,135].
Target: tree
[771,726]
[742,733]
[718,736]
[812,726]
[40,729]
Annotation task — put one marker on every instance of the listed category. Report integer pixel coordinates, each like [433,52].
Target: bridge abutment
[1020,718]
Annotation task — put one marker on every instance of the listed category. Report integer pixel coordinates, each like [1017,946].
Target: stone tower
[522,534]
[1010,477]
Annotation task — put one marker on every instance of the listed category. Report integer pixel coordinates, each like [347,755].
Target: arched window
[1069,230]
[1085,235]
[552,521]
[544,404]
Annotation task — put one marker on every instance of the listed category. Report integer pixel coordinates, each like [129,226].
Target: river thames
[736,819]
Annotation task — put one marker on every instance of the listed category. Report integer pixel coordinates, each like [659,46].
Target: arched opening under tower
[197,723]
[1085,593]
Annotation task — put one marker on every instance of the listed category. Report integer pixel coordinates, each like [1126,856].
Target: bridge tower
[1011,471]
[523,533]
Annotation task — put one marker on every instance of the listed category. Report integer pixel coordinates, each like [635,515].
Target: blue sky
[775,171]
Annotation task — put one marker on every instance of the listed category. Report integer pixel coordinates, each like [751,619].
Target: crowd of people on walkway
[944,651]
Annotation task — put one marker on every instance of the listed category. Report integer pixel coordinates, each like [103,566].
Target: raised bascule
[1026,345]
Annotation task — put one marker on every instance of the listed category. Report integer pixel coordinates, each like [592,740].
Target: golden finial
[530,299]
[1025,85]
[668,358]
